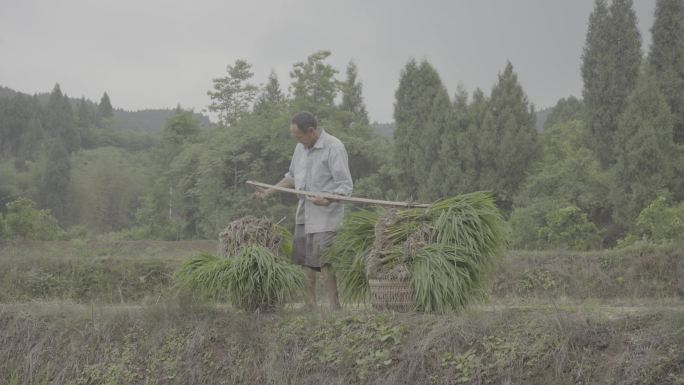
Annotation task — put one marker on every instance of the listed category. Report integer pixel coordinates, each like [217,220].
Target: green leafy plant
[449,249]
[254,277]
[348,254]
[25,220]
[660,221]
[570,228]
[258,279]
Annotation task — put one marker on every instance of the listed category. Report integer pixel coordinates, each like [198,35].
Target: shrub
[569,228]
[25,221]
[661,222]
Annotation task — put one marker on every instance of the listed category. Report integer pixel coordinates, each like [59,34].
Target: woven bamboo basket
[396,295]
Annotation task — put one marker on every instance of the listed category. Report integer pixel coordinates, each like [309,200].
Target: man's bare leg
[310,276]
[331,287]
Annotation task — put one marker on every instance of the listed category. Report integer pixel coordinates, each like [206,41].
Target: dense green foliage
[25,221]
[598,162]
[667,58]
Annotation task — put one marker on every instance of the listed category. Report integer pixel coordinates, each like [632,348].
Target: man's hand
[262,193]
[319,201]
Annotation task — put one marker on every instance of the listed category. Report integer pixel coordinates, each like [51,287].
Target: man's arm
[262,193]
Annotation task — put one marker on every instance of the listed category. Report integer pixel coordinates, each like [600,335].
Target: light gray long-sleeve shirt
[322,168]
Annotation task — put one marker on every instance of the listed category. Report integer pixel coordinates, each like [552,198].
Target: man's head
[304,128]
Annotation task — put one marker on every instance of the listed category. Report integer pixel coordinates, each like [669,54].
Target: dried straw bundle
[252,230]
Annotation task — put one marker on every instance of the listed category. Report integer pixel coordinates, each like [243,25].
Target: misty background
[157,54]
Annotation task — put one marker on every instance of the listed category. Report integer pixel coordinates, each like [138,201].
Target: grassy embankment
[103,313]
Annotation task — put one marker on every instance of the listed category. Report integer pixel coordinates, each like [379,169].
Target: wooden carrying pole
[338,197]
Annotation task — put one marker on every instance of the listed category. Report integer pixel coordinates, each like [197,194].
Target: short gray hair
[305,121]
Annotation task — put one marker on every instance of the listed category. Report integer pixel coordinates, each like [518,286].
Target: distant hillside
[149,121]
[7,92]
[144,121]
[385,130]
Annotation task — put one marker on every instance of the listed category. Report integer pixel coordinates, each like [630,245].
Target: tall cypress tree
[469,154]
[56,178]
[625,49]
[60,121]
[422,112]
[270,96]
[645,152]
[596,66]
[453,141]
[565,110]
[610,67]
[15,114]
[86,113]
[507,140]
[104,109]
[353,106]
[667,58]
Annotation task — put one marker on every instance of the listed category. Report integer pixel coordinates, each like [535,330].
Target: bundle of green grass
[447,251]
[254,271]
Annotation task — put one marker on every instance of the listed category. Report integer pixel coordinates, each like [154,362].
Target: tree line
[606,170]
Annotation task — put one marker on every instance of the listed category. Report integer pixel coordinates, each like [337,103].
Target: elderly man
[319,164]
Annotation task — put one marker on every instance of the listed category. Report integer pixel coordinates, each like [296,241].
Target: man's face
[307,139]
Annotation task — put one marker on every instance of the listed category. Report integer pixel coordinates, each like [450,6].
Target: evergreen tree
[667,58]
[59,121]
[233,96]
[596,66]
[565,110]
[104,109]
[625,49]
[31,142]
[106,186]
[469,154]
[453,139]
[353,106]
[610,66]
[271,97]
[56,179]
[17,126]
[567,174]
[422,112]
[179,129]
[507,140]
[646,154]
[86,114]
[314,86]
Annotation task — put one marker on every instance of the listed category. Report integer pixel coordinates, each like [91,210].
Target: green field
[106,313]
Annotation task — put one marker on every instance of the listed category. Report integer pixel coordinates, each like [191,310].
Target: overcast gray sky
[157,54]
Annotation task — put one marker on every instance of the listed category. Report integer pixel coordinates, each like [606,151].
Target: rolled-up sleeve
[339,168]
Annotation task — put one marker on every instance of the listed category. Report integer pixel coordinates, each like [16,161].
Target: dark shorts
[308,249]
